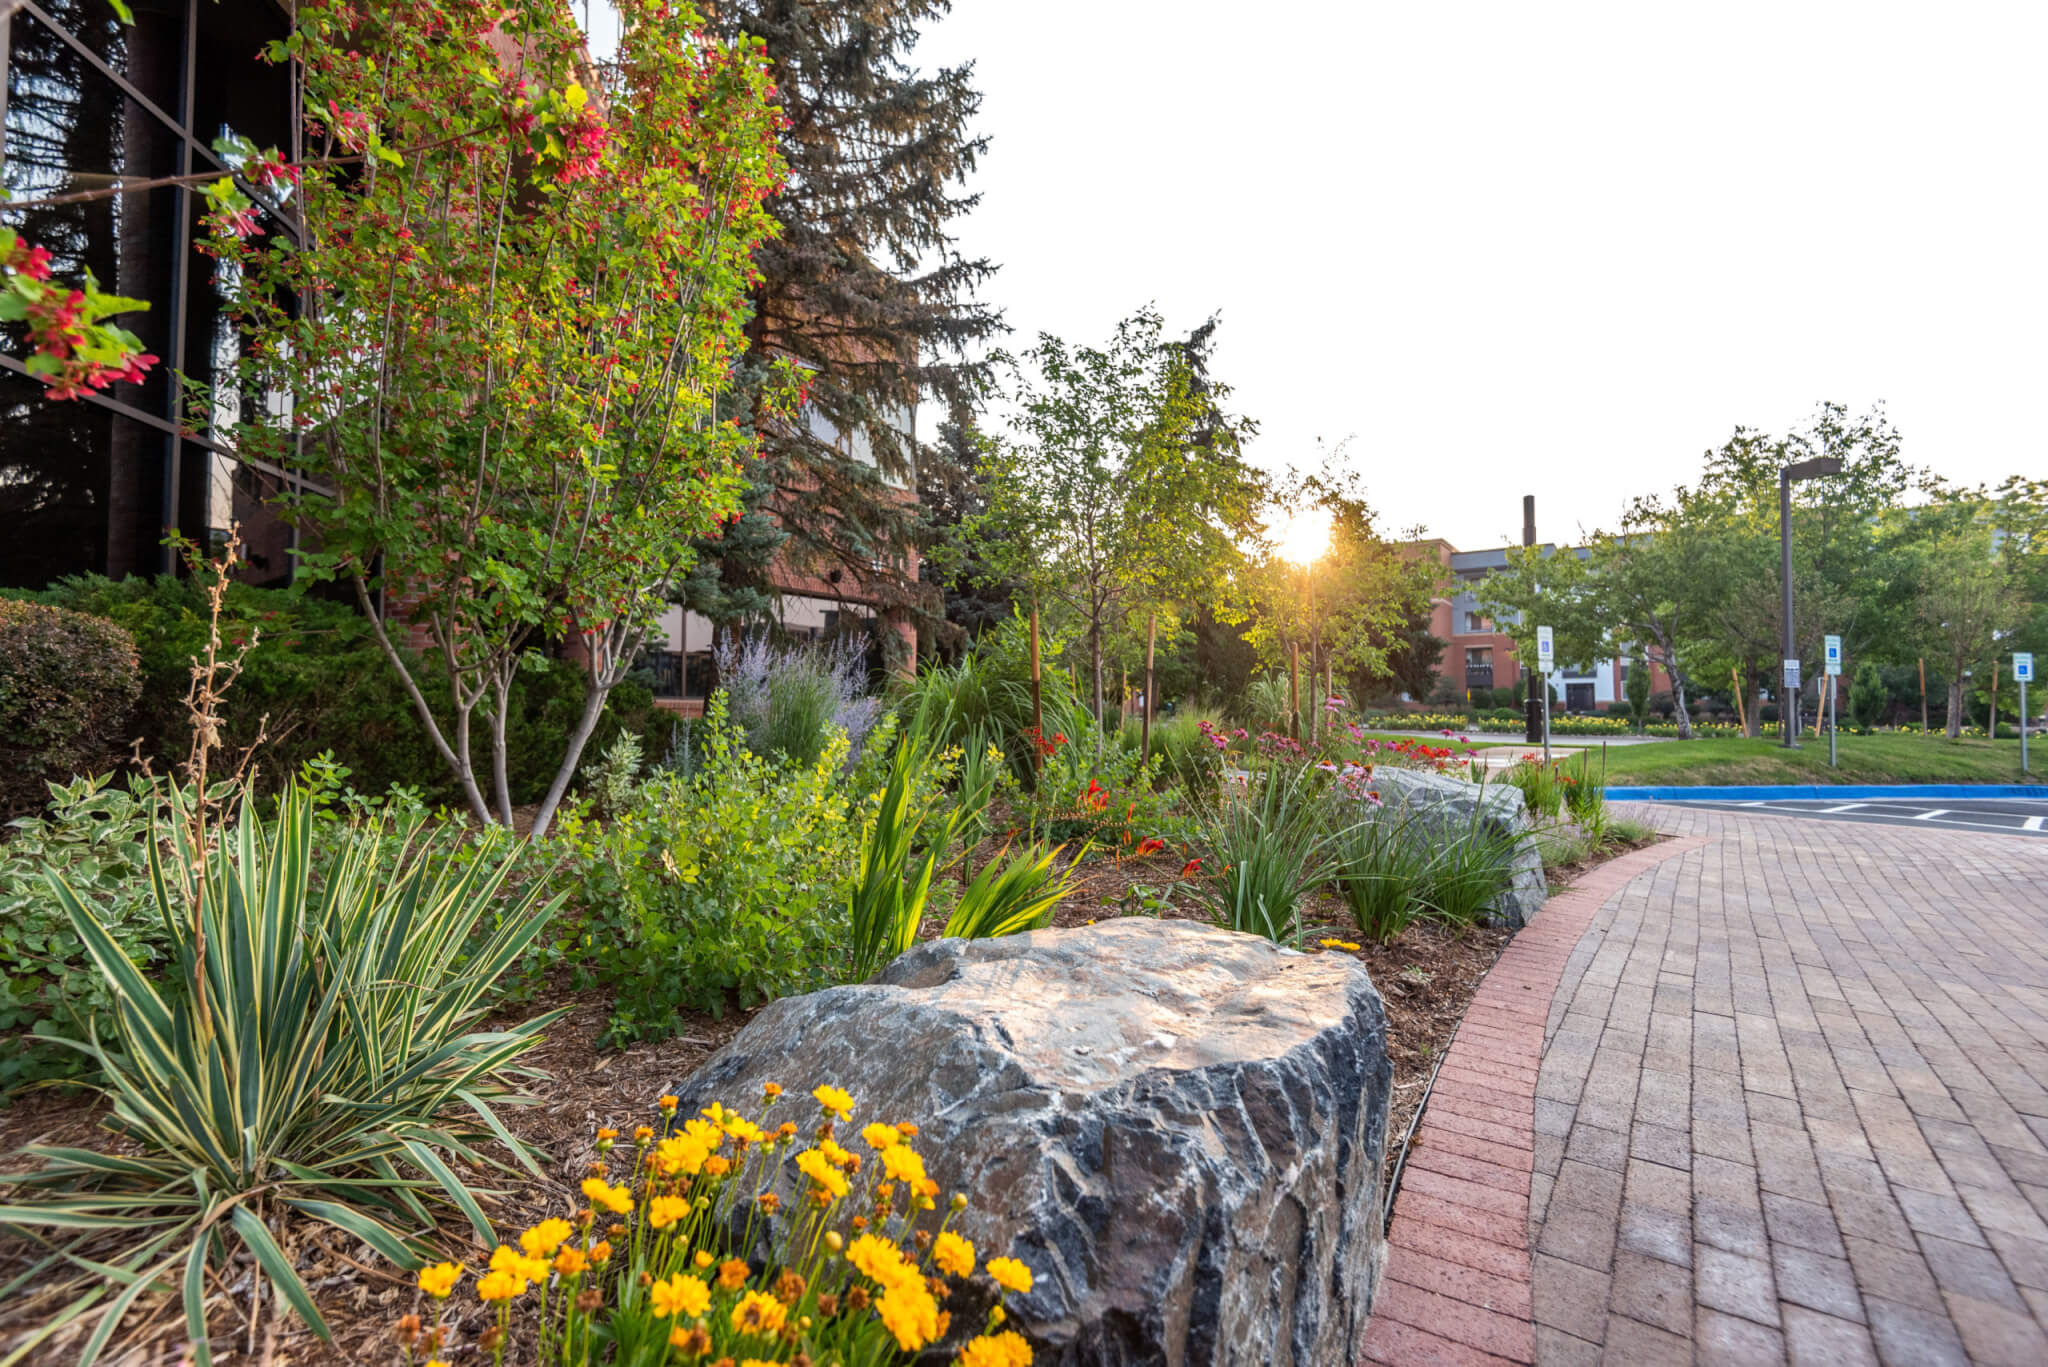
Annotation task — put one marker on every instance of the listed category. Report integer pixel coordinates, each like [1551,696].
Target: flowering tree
[72,346]
[490,320]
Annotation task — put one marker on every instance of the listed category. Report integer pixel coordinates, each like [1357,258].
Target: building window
[1476,622]
[1479,657]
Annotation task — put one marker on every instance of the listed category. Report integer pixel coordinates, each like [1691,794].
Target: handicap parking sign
[1834,655]
[2023,666]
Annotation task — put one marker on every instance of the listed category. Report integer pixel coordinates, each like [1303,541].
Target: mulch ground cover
[1426,977]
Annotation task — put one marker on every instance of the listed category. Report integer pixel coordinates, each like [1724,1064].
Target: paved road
[1793,1102]
[2015,816]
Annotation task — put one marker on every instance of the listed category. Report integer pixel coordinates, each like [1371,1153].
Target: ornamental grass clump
[685,1248]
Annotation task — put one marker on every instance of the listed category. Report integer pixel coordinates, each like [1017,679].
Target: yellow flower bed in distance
[649,1271]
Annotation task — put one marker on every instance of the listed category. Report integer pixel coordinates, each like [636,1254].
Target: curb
[1768,792]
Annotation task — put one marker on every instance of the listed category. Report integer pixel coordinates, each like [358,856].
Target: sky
[1501,249]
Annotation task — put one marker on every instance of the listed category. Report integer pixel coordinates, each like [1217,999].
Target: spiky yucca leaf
[336,1065]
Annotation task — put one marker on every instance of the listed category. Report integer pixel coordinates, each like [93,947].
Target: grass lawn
[1864,759]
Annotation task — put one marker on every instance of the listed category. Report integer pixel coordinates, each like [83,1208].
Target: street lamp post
[1788,722]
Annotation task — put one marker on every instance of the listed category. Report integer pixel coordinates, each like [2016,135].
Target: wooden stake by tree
[1923,695]
[1145,727]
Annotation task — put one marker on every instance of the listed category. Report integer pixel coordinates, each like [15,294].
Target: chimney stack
[1528,519]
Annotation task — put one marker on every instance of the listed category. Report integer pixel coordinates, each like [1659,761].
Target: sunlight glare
[1302,537]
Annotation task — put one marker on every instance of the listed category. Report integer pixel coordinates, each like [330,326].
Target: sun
[1303,536]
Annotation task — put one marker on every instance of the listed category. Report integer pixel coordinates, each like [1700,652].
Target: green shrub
[318,682]
[329,1067]
[726,884]
[95,836]
[1480,699]
[68,682]
[1868,696]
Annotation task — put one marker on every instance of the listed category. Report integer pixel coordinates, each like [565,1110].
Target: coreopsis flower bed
[684,1251]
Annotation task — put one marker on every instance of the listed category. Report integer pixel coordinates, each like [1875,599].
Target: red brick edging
[1456,1286]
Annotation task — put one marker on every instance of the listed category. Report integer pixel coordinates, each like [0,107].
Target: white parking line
[1929,816]
[1845,807]
[2033,823]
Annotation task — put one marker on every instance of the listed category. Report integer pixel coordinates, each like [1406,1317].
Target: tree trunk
[456,756]
[1753,690]
[586,725]
[501,785]
[1684,716]
[1955,704]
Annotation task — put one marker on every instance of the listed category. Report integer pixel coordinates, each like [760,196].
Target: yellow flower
[617,1200]
[909,1312]
[667,1105]
[732,1274]
[679,1295]
[838,1157]
[664,1211]
[680,1155]
[903,1164]
[770,1090]
[835,1102]
[880,1260]
[570,1262]
[1010,1275]
[437,1281]
[544,1238]
[880,1136]
[1344,945]
[601,1252]
[823,1175]
[499,1286]
[953,1255]
[744,1130]
[704,1259]
[757,1313]
[1007,1349]
[716,1166]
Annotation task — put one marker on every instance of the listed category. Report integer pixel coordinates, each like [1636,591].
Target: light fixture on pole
[1788,719]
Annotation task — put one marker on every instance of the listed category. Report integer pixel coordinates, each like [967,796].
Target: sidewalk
[1791,1104]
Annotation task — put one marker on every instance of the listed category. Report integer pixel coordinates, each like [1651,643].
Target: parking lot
[2012,815]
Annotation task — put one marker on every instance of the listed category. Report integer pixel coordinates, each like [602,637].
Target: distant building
[1477,655]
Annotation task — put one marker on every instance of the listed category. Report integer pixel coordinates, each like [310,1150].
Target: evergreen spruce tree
[864,288]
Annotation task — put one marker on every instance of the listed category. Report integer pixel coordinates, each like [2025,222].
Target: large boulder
[1443,805]
[1179,1128]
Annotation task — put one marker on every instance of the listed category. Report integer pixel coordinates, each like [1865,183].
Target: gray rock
[1445,804]
[1180,1129]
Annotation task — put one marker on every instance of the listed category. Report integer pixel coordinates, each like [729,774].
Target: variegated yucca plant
[313,1053]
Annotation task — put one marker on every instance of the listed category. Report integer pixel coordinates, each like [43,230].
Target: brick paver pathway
[1793,1104]
[1790,1105]
[1456,1289]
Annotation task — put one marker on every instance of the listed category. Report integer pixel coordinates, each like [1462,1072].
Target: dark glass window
[93,484]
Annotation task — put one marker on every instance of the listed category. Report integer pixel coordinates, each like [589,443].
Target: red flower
[1191,868]
[1151,845]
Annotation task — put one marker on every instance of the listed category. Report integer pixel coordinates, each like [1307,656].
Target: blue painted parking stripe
[1767,792]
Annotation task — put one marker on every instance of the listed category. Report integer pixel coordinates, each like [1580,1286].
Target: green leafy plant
[95,835]
[1469,871]
[613,781]
[1382,871]
[1008,897]
[902,849]
[1268,843]
[316,1054]
[720,885]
